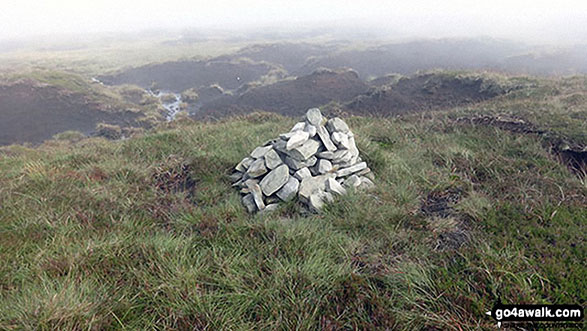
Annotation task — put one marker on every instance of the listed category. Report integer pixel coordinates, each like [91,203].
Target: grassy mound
[147,232]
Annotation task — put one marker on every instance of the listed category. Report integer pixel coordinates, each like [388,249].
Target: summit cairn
[316,161]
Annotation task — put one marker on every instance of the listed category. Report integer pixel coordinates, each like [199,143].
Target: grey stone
[350,170]
[324,166]
[270,208]
[326,155]
[364,172]
[343,158]
[325,137]
[366,183]
[317,200]
[334,187]
[297,165]
[341,140]
[297,140]
[311,129]
[314,116]
[257,168]
[243,165]
[260,151]
[337,124]
[236,176]
[353,181]
[272,159]
[302,173]
[299,126]
[305,151]
[274,180]
[310,185]
[257,195]
[289,190]
[280,146]
[286,136]
[249,203]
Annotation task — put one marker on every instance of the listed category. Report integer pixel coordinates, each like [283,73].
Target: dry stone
[275,180]
[314,162]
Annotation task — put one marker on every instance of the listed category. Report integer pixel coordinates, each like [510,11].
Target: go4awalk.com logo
[543,316]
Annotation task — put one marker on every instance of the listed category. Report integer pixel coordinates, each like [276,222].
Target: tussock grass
[91,238]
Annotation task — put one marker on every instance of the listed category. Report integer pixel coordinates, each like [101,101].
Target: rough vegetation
[148,232]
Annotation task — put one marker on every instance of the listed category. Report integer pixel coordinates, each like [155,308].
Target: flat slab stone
[257,196]
[257,168]
[351,170]
[317,200]
[274,180]
[302,173]
[352,181]
[260,151]
[297,139]
[337,125]
[297,165]
[311,129]
[324,166]
[305,151]
[243,165]
[299,126]
[325,138]
[333,186]
[340,139]
[310,185]
[272,159]
[314,116]
[289,190]
[249,203]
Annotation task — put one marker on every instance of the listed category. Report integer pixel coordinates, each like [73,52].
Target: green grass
[99,234]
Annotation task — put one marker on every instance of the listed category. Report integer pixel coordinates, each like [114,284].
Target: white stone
[353,181]
[302,173]
[341,140]
[297,139]
[305,151]
[310,185]
[337,124]
[257,195]
[324,166]
[257,168]
[272,159]
[325,138]
[299,126]
[289,190]
[317,200]
[326,155]
[297,165]
[350,170]
[274,180]
[311,129]
[314,116]
[249,203]
[366,183]
[334,187]
[243,165]
[260,151]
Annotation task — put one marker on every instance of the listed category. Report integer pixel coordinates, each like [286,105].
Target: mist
[522,20]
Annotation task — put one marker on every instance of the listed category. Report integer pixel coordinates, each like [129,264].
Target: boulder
[351,170]
[272,159]
[305,151]
[333,186]
[297,139]
[257,168]
[314,116]
[275,179]
[337,125]
[260,151]
[302,173]
[289,190]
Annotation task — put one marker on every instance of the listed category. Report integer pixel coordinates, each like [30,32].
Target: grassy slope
[93,235]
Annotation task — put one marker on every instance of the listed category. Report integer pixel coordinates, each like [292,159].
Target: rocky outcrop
[315,162]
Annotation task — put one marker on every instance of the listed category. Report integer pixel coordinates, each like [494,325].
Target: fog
[528,20]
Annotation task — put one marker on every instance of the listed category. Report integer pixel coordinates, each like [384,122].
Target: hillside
[36,105]
[473,203]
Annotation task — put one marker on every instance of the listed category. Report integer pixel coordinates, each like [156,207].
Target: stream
[171,104]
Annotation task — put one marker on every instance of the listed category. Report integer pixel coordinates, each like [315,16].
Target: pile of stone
[315,161]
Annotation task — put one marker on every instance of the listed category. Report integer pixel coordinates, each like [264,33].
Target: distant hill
[290,97]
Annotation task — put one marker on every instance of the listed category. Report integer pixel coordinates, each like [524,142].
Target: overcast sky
[535,20]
